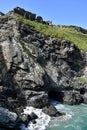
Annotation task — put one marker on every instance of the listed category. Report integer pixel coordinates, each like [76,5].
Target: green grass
[70,34]
[82,80]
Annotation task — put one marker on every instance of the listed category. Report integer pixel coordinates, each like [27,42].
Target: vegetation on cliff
[60,32]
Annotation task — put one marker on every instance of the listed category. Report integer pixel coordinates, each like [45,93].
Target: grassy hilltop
[69,33]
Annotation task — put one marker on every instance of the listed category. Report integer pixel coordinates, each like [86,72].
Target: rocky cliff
[34,67]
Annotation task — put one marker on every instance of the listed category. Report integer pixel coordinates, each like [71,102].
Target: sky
[60,12]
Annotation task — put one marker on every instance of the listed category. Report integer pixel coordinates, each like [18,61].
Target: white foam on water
[66,117]
[63,108]
[41,122]
[60,106]
[62,118]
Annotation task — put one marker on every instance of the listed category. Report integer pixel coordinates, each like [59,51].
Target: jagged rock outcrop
[52,111]
[26,14]
[34,67]
[30,16]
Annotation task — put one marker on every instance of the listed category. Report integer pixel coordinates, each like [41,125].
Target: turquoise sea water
[76,118]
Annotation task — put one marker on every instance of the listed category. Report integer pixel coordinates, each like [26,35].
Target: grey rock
[38,101]
[7,118]
[51,111]
[31,63]
[72,97]
[19,10]
[24,118]
[39,19]
[26,14]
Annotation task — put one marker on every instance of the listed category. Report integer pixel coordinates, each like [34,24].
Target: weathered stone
[7,119]
[24,118]
[38,101]
[51,111]
[26,14]
[39,19]
[33,116]
[31,63]
[19,10]
[71,97]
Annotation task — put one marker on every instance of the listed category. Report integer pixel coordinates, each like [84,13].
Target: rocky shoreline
[35,68]
[31,118]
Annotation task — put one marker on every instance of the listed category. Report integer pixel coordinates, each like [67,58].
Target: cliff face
[34,67]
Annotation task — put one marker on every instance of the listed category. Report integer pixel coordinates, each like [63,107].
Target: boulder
[52,111]
[33,116]
[25,14]
[29,15]
[72,97]
[8,119]
[38,101]
[32,16]
[39,19]
[24,118]
[19,10]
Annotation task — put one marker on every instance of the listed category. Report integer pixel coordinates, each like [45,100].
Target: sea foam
[62,108]
[41,122]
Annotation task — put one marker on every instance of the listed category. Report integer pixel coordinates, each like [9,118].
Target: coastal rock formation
[52,111]
[31,62]
[34,67]
[30,16]
[26,14]
[7,119]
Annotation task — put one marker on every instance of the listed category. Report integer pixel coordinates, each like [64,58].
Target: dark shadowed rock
[24,118]
[25,14]
[19,10]
[29,15]
[1,14]
[7,119]
[52,111]
[33,116]
[3,129]
[39,19]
